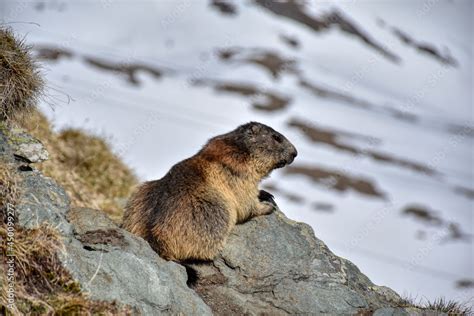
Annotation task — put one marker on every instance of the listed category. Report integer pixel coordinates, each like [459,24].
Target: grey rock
[272,265]
[112,264]
[34,152]
[6,151]
[386,311]
[42,200]
[27,147]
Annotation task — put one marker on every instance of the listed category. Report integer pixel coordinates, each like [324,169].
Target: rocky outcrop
[270,265]
[108,262]
[112,264]
[273,265]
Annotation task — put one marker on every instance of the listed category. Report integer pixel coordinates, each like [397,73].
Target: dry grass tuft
[440,305]
[8,188]
[448,306]
[20,81]
[85,166]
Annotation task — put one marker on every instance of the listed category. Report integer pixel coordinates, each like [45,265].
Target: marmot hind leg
[194,233]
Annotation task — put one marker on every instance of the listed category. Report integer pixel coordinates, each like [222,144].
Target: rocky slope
[270,265]
[376,96]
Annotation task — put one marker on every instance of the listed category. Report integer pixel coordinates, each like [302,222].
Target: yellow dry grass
[20,81]
[439,305]
[84,165]
[8,188]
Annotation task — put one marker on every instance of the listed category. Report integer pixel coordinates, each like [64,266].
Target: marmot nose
[293,155]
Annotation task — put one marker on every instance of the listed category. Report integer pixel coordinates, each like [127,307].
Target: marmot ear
[254,129]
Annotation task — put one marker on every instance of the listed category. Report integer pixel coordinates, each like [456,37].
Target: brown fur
[189,213]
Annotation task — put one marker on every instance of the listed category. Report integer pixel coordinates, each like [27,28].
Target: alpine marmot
[189,213]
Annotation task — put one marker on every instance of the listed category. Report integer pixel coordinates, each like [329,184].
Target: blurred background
[376,96]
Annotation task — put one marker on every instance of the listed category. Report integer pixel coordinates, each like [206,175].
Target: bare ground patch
[344,98]
[337,181]
[225,7]
[296,11]
[128,69]
[430,217]
[260,99]
[334,138]
[271,61]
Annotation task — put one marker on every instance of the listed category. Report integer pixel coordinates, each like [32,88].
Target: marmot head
[264,148]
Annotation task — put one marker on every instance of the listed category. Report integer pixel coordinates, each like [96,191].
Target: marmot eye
[278,138]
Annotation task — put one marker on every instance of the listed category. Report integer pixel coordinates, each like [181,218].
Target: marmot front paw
[265,196]
[267,202]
